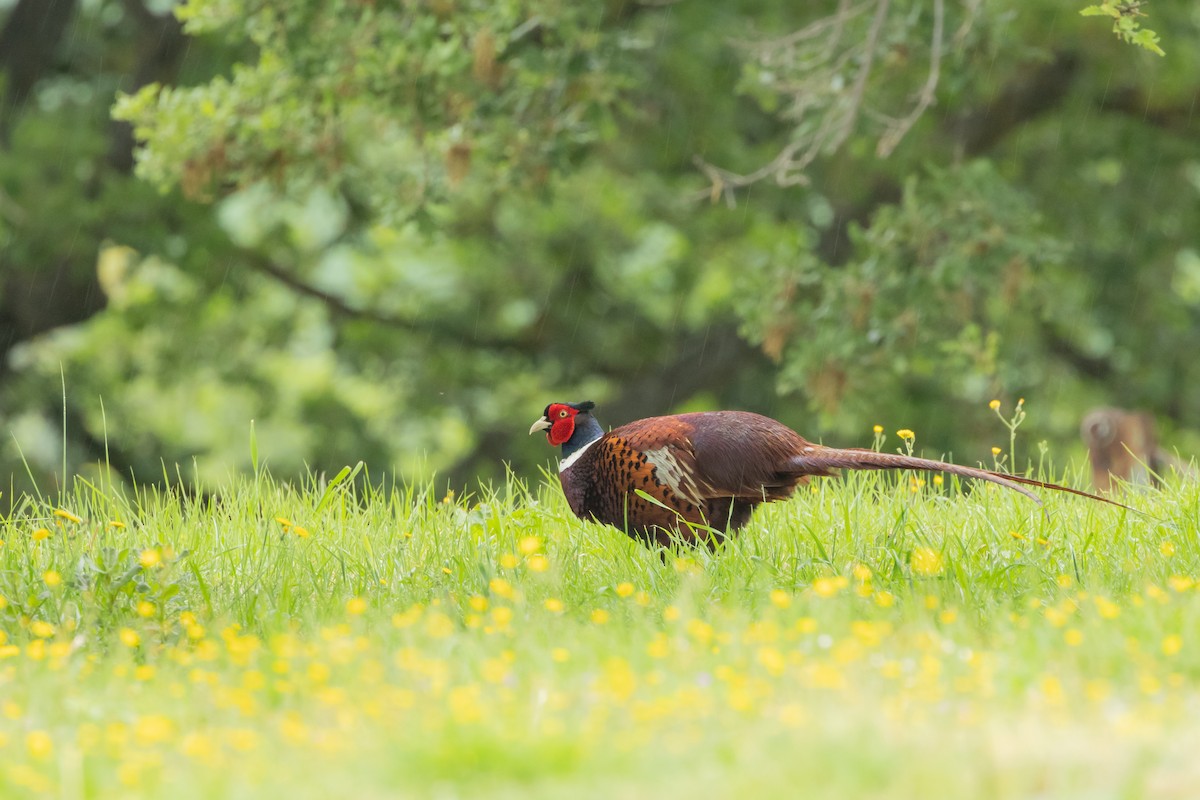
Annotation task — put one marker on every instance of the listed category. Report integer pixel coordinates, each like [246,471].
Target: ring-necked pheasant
[706,471]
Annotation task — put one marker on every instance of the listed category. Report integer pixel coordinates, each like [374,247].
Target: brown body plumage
[696,477]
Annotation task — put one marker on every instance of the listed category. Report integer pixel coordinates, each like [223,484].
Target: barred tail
[820,460]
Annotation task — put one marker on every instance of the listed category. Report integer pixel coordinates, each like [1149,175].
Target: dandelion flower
[529,545]
[1167,548]
[150,558]
[356,606]
[41,533]
[878,429]
[624,589]
[994,405]
[62,513]
[52,578]
[129,637]
[599,616]
[554,605]
[1172,644]
[996,450]
[906,434]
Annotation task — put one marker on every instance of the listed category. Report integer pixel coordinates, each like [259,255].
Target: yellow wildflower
[39,744]
[1180,583]
[41,533]
[878,429]
[150,557]
[1172,644]
[996,450]
[529,545]
[1107,608]
[1167,548]
[41,629]
[599,616]
[624,589]
[926,562]
[829,587]
[659,646]
[62,513]
[906,434]
[129,637]
[994,405]
[554,605]
[52,578]
[356,606]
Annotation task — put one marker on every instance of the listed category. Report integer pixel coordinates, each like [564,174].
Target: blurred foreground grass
[871,638]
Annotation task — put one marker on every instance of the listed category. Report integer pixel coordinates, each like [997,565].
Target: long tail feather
[820,460]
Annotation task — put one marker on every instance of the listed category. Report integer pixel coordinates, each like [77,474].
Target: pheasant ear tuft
[584,407]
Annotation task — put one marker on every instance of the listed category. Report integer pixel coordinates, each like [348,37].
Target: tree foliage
[392,231]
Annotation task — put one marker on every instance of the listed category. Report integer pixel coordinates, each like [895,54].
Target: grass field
[869,639]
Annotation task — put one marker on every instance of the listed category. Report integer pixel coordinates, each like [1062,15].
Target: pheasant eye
[562,413]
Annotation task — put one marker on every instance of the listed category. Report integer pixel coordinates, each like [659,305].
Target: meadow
[877,636]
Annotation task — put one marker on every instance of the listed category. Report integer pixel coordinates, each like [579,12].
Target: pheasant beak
[541,425]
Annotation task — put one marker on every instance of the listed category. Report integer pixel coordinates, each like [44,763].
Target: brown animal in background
[1123,446]
[696,477]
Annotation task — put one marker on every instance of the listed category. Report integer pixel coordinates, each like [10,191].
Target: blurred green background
[394,231]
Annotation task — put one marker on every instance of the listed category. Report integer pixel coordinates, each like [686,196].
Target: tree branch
[340,307]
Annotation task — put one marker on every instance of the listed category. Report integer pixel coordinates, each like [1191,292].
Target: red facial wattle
[562,424]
